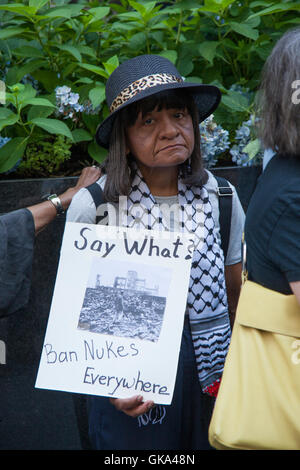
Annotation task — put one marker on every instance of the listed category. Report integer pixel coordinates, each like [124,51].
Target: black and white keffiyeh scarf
[207,300]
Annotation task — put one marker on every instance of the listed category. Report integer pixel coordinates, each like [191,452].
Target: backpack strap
[225,194]
[97,194]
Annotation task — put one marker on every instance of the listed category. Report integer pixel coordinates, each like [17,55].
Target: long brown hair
[279,123]
[118,167]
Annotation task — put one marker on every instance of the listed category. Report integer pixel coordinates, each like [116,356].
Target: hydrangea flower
[244,134]
[67,102]
[214,141]
[4,140]
[31,81]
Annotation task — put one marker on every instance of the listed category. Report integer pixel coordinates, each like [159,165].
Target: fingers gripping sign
[134,406]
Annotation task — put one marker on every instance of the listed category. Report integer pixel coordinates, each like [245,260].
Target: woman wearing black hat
[153,141]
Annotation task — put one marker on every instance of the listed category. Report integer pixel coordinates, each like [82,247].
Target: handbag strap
[225,194]
[97,194]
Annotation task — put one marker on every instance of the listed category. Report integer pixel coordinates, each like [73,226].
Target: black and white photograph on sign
[125,299]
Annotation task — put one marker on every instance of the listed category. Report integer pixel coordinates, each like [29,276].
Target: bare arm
[44,212]
[295,286]
[233,278]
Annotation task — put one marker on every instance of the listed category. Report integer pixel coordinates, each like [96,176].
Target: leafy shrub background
[55,57]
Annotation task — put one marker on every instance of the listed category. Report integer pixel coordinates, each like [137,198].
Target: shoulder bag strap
[98,198]
[225,194]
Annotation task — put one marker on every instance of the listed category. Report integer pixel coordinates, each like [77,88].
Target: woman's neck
[161,181]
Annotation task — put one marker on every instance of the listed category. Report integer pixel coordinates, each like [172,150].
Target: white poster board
[117,313]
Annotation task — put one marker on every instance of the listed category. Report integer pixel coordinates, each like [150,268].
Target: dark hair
[118,167]
[279,114]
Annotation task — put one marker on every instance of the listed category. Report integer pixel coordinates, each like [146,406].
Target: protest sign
[117,312]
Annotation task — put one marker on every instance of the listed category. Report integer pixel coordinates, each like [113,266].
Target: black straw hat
[144,76]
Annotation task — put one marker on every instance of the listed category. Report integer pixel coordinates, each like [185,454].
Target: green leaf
[53,126]
[37,102]
[277,8]
[235,101]
[215,6]
[81,135]
[85,50]
[16,73]
[97,95]
[244,30]
[143,9]
[137,41]
[66,11]
[11,152]
[28,51]
[37,4]
[252,148]
[7,118]
[170,54]
[94,69]
[138,7]
[9,32]
[19,9]
[23,92]
[208,50]
[111,64]
[97,153]
[98,13]
[71,50]
[194,80]
[38,111]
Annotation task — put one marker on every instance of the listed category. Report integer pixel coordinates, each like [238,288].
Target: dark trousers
[183,425]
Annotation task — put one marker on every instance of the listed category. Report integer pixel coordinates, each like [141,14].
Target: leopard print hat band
[141,84]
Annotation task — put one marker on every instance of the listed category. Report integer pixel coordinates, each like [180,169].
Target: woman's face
[162,138]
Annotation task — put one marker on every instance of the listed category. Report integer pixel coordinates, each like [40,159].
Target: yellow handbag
[258,403]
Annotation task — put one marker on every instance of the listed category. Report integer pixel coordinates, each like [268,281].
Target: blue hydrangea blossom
[214,141]
[244,134]
[67,102]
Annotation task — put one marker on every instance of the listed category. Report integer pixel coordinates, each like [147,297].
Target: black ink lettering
[165,253]
[176,245]
[86,374]
[120,349]
[163,391]
[152,247]
[126,384]
[63,357]
[50,352]
[87,349]
[96,245]
[132,346]
[108,249]
[109,350]
[135,246]
[100,356]
[191,248]
[85,239]
[119,381]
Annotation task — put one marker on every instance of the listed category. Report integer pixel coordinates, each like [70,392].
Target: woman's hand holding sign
[134,406]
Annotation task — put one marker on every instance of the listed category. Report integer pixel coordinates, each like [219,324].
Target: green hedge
[55,57]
